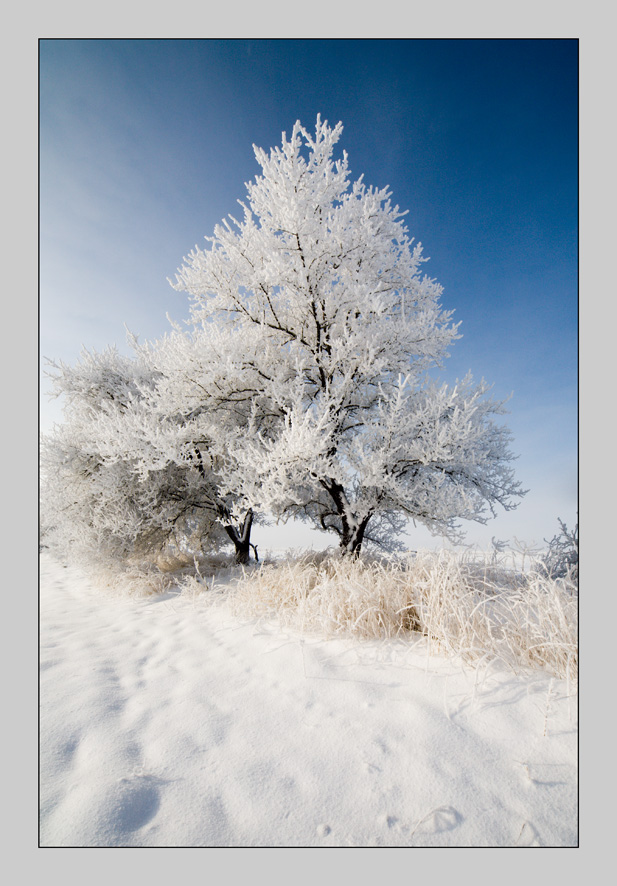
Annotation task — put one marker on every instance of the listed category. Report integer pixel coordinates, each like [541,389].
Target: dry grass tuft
[327,595]
[472,607]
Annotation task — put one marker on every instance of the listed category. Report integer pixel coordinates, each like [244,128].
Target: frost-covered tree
[108,496]
[323,329]
[180,421]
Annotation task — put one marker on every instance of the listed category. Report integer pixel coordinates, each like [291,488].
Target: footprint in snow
[528,836]
[136,803]
[444,818]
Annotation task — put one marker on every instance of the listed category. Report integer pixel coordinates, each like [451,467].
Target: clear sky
[146,145]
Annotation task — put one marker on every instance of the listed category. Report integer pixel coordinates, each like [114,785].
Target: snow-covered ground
[165,721]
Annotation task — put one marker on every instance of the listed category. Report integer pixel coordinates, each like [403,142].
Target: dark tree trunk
[241,537]
[351,533]
[352,537]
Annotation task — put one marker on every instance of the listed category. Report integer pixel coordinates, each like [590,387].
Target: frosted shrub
[561,559]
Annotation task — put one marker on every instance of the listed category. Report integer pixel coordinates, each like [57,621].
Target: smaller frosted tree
[105,497]
[183,421]
[326,330]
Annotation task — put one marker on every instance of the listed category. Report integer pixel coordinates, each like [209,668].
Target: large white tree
[317,324]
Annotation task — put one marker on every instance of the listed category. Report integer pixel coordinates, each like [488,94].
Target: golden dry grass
[473,607]
[468,607]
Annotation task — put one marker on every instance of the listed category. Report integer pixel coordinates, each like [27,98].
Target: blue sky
[146,145]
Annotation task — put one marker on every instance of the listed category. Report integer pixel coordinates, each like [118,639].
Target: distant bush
[561,559]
